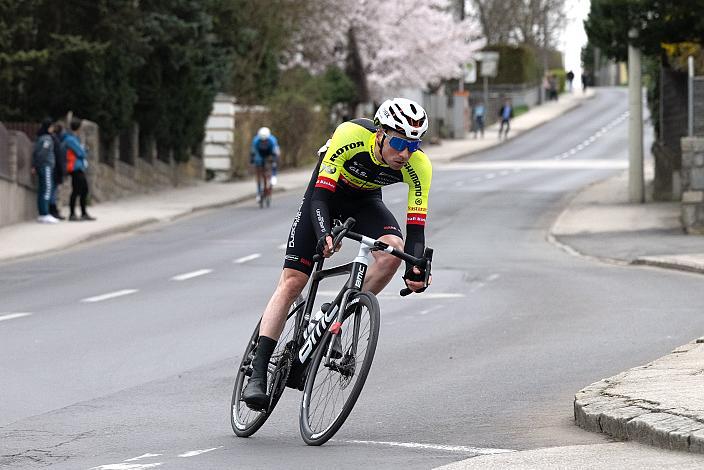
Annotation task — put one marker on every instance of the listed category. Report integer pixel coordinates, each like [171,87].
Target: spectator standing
[76,166]
[479,112]
[59,170]
[552,80]
[546,87]
[585,81]
[570,78]
[505,114]
[43,161]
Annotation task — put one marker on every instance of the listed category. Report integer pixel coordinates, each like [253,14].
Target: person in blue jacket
[76,166]
[264,147]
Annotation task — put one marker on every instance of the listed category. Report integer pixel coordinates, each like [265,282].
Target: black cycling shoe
[254,394]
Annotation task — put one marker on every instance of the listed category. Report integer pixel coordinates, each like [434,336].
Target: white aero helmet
[264,132]
[402,115]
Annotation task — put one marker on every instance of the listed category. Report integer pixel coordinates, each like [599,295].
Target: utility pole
[690,96]
[636,180]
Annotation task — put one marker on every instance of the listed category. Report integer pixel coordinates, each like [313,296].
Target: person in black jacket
[59,170]
[505,114]
[43,166]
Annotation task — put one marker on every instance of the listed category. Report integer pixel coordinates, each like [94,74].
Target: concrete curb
[598,408]
[669,263]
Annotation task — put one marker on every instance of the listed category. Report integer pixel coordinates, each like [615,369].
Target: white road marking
[396,200]
[244,259]
[547,164]
[110,295]
[282,246]
[193,453]
[191,275]
[144,456]
[11,316]
[127,466]
[448,448]
[490,176]
[481,283]
[431,309]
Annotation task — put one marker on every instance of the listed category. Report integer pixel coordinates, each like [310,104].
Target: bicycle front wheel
[331,390]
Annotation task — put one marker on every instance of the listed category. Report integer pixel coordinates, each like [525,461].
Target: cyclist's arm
[326,182]
[275,154]
[253,151]
[418,190]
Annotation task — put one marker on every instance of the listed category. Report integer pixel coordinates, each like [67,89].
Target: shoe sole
[257,402]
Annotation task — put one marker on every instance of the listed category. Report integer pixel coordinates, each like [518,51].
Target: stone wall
[693,184]
[18,197]
[113,175]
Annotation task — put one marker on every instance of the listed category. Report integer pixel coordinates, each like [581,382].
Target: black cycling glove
[322,243]
[411,275]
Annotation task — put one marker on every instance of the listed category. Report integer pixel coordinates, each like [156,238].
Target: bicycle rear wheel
[331,391]
[244,420]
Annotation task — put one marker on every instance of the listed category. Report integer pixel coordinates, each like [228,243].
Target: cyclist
[362,156]
[264,146]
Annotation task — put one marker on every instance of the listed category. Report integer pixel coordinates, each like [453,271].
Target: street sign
[490,63]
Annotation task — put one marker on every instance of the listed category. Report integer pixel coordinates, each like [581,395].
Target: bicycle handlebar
[343,231]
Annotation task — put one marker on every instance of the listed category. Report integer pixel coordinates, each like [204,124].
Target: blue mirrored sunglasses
[398,144]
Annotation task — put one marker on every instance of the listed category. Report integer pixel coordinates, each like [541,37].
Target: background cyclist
[362,156]
[264,147]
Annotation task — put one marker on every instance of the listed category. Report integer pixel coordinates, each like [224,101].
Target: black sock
[265,348]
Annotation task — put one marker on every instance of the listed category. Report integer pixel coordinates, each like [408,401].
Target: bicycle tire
[245,421]
[318,425]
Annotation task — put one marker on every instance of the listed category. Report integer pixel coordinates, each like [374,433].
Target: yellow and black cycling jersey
[350,161]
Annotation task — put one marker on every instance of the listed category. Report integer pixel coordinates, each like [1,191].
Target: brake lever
[428,258]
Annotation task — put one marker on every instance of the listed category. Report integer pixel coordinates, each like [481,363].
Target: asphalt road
[128,357]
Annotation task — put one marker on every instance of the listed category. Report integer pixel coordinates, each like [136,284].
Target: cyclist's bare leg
[384,267]
[266,179]
[291,284]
